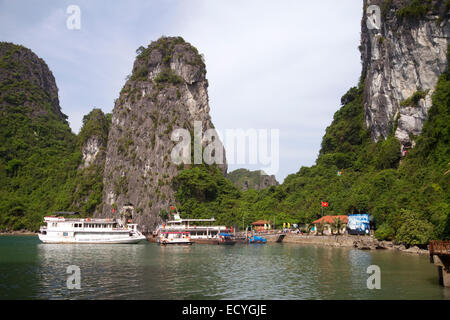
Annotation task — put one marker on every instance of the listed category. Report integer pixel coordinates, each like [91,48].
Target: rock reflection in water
[32,270]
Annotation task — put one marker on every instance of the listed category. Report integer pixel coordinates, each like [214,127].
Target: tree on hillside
[414,230]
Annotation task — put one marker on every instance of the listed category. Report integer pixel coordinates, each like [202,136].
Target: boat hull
[175,243]
[129,240]
[204,241]
[227,243]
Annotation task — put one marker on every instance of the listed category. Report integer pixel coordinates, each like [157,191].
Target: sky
[270,64]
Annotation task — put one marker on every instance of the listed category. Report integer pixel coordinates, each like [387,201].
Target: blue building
[358,224]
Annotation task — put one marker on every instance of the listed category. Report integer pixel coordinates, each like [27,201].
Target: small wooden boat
[173,237]
[256,239]
[225,238]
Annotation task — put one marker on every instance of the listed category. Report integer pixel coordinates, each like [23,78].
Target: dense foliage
[37,147]
[87,184]
[39,155]
[246,179]
[415,9]
[408,197]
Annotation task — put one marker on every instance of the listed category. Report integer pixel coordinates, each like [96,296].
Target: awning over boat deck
[68,213]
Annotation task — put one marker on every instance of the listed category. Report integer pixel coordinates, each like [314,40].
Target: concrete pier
[440,256]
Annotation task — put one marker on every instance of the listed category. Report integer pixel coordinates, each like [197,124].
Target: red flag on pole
[324,204]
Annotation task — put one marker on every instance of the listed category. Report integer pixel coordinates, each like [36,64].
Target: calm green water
[32,270]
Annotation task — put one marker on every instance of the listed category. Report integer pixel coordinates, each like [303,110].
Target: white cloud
[271,64]
[276,64]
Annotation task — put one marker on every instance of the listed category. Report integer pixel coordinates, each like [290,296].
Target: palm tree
[337,225]
[320,227]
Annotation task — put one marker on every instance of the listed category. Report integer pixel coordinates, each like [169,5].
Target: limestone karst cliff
[93,138]
[36,144]
[88,180]
[402,61]
[28,82]
[244,179]
[166,90]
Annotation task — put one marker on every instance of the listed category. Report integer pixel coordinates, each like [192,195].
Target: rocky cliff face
[27,81]
[245,179]
[92,142]
[166,90]
[93,138]
[37,159]
[90,150]
[402,60]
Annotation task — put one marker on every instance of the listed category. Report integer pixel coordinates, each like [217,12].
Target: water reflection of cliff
[19,268]
[30,270]
[104,270]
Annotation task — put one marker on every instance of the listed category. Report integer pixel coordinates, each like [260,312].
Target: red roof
[330,219]
[260,223]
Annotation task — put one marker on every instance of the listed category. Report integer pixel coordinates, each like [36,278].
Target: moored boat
[256,239]
[174,237]
[64,230]
[200,230]
[226,238]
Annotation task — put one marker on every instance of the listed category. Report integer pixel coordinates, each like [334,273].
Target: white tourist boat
[199,229]
[63,230]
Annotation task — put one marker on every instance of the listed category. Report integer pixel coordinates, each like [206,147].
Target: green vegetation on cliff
[39,155]
[87,184]
[408,197]
[245,179]
[41,167]
[37,147]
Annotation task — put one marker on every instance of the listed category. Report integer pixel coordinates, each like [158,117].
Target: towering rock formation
[166,90]
[402,60]
[92,142]
[93,138]
[36,143]
[245,179]
[27,81]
